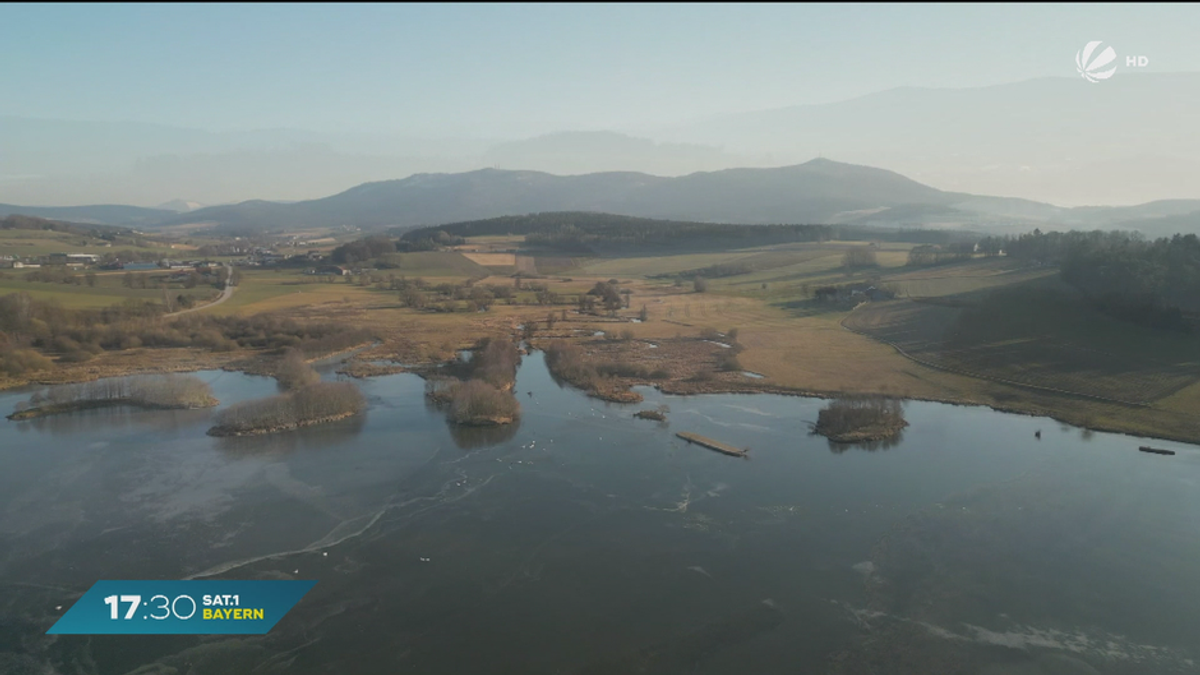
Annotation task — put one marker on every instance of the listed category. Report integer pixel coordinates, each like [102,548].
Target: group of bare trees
[485,396]
[481,393]
[17,362]
[496,363]
[607,294]
[852,414]
[859,257]
[473,296]
[293,372]
[79,334]
[567,361]
[313,403]
[162,391]
[478,402]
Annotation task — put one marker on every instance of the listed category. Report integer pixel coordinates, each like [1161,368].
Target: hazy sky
[519,70]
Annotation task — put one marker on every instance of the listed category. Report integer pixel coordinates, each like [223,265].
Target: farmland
[18,242]
[108,290]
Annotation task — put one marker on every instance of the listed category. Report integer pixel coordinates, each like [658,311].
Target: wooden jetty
[711,444]
[1157,451]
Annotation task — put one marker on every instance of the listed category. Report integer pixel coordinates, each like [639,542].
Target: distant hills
[1062,140]
[101,214]
[1128,140]
[820,191]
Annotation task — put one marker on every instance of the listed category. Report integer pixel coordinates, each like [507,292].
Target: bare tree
[293,372]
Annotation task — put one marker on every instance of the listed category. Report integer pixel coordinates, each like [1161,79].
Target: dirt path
[225,295]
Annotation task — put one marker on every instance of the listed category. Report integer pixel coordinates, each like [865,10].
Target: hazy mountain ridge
[813,192]
[99,214]
[819,191]
[1128,140]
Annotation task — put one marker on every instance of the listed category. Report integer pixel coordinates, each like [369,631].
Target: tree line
[1155,283]
[581,230]
[574,230]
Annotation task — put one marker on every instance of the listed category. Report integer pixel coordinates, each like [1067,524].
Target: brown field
[492,259]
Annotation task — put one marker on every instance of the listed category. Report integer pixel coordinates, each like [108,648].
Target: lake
[582,540]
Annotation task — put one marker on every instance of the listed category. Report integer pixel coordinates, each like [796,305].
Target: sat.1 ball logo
[1096,66]
[1091,68]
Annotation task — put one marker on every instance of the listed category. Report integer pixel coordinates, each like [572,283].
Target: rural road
[225,295]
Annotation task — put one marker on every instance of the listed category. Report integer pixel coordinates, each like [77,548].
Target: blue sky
[517,70]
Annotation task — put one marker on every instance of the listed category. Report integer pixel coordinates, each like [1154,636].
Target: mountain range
[1128,140]
[818,191]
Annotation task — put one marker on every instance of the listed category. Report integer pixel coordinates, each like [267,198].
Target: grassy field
[108,291]
[436,264]
[269,291]
[967,277]
[769,263]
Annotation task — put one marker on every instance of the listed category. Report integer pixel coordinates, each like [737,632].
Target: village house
[72,259]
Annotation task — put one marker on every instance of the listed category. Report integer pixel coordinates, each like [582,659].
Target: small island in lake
[479,392]
[474,403]
[857,420]
[306,406]
[658,414]
[158,392]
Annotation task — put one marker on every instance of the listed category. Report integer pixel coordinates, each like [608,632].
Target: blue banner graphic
[209,607]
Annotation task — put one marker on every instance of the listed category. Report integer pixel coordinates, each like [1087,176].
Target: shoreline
[947,400]
[247,362]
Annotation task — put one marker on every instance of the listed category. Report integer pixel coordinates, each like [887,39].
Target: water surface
[585,541]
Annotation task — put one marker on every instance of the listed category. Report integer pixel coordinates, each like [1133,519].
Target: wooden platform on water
[711,444]
[1157,451]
